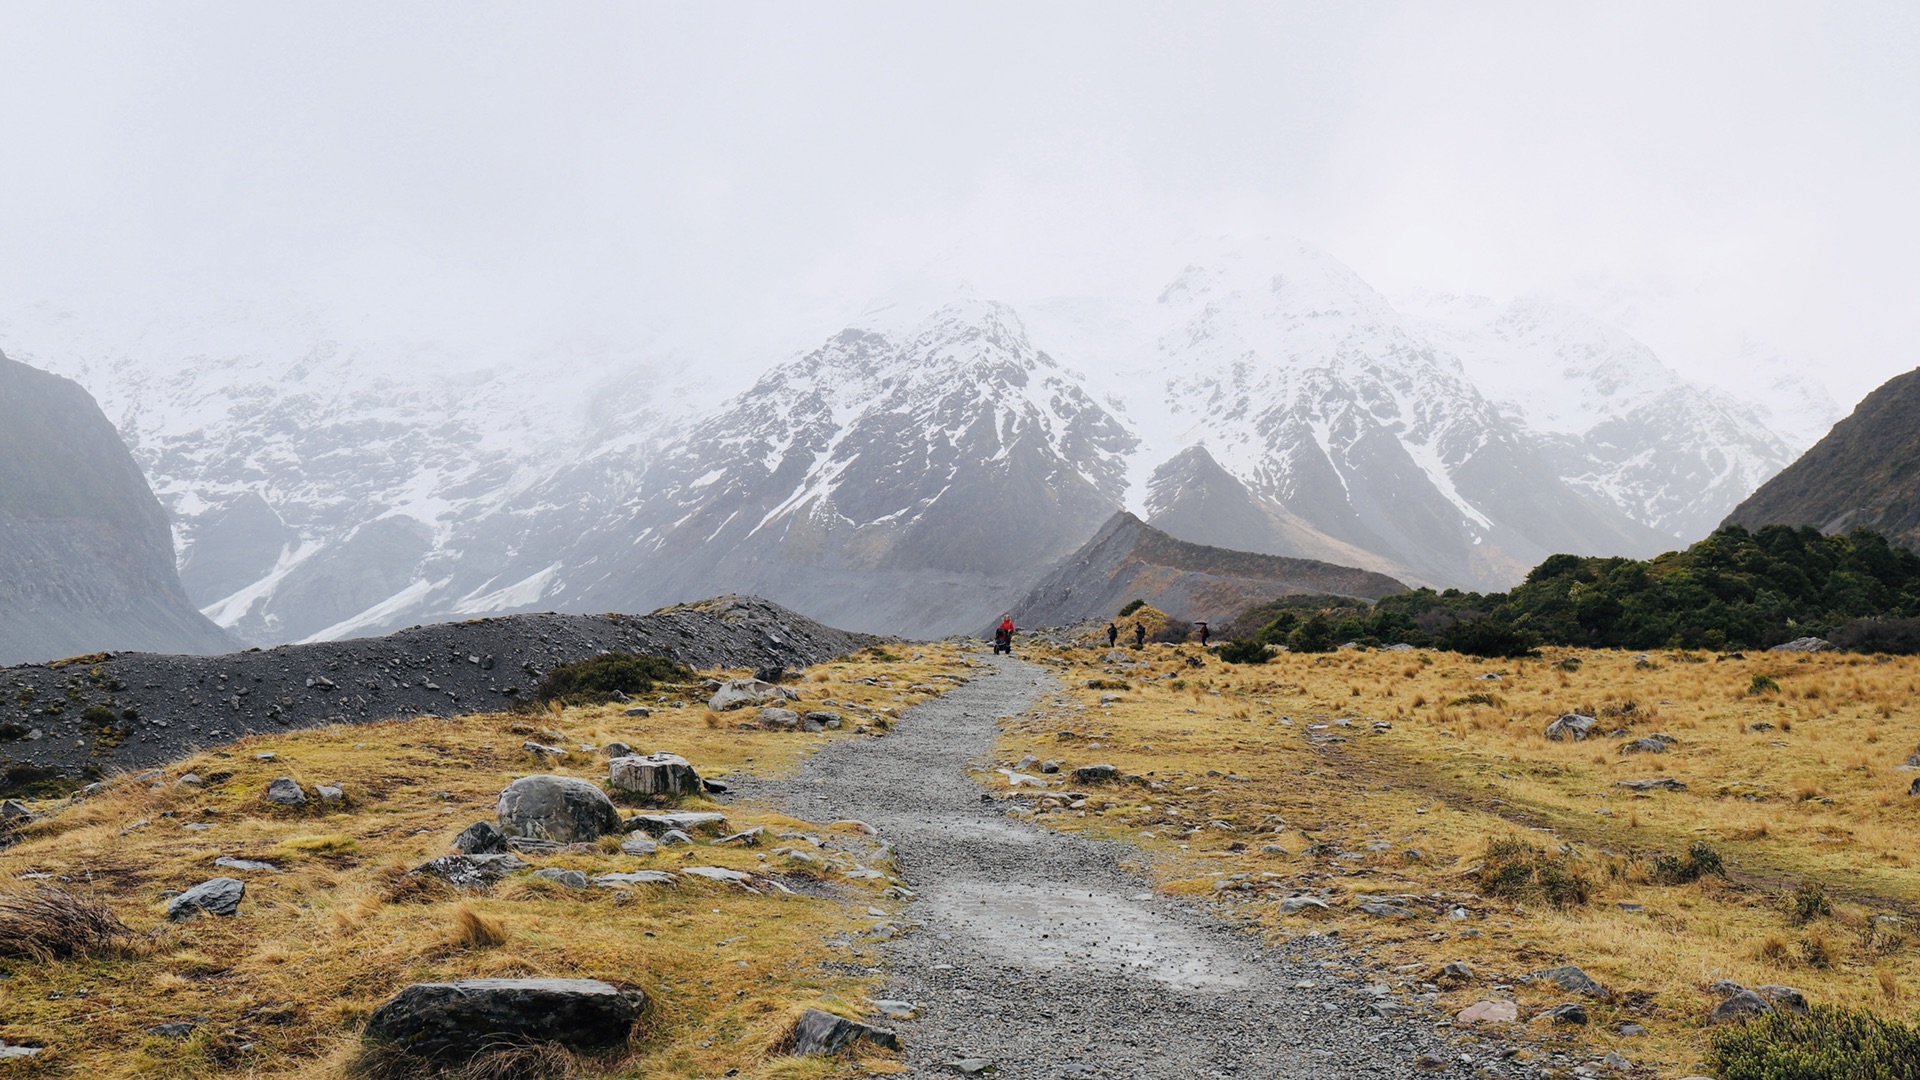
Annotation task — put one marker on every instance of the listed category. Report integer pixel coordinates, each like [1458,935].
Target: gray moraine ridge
[1040,953]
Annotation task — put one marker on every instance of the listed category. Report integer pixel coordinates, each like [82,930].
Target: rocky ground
[1041,955]
[162,707]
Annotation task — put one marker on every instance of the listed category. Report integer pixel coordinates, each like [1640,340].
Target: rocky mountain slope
[1130,559]
[158,708]
[86,559]
[921,469]
[1866,472]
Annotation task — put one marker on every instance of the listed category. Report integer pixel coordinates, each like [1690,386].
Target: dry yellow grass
[281,989]
[1799,785]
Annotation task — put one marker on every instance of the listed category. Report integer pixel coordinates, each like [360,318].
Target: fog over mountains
[920,469]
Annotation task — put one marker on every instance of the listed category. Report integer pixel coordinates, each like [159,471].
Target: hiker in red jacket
[1003,636]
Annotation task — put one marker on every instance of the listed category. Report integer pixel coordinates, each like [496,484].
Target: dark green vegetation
[1734,590]
[1133,605]
[1242,651]
[595,680]
[1520,871]
[1824,1044]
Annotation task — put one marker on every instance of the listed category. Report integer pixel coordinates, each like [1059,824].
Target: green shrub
[1476,699]
[595,680]
[1807,902]
[1517,870]
[1108,684]
[1132,606]
[1245,652]
[1486,636]
[1763,684]
[1701,859]
[1825,1044]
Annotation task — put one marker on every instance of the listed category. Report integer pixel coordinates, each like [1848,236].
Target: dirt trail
[1038,951]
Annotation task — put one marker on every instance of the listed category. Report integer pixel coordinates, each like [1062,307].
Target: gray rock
[1632,1031]
[1651,744]
[1571,1012]
[220,896]
[691,821]
[572,879]
[458,1020]
[543,750]
[13,813]
[330,793]
[1095,774]
[480,838]
[634,877]
[973,1066]
[1293,904]
[1783,997]
[1454,973]
[638,710]
[190,780]
[617,749]
[1914,788]
[1571,979]
[748,837]
[228,862]
[777,719]
[178,1029]
[1662,783]
[826,718]
[718,873]
[663,775]
[13,1052]
[1570,727]
[1803,644]
[471,871]
[1385,911]
[558,808]
[674,837]
[818,1032]
[1616,1061]
[1742,1005]
[738,693]
[286,791]
[639,844]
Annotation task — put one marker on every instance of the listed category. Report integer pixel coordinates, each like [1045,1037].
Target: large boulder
[563,809]
[1803,644]
[1570,727]
[457,1020]
[737,693]
[220,896]
[668,775]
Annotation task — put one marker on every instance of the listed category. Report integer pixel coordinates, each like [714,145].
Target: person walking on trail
[1113,635]
[1003,636]
[1202,625]
[1139,635]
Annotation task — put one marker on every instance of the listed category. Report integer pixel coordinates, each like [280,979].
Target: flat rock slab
[634,877]
[457,1020]
[691,821]
[471,871]
[228,862]
[718,873]
[1569,978]
[1488,1012]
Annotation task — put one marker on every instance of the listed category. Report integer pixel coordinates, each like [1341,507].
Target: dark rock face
[663,774]
[819,1032]
[86,555]
[1128,558]
[459,1019]
[1866,472]
[220,896]
[563,809]
[182,704]
[480,838]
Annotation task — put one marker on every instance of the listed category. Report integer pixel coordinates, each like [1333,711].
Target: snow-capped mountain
[914,472]
[1626,430]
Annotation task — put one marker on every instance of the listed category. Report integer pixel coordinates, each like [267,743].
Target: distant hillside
[1865,473]
[86,555]
[1130,559]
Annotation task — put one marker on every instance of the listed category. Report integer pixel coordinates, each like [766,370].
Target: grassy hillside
[1419,780]
[282,988]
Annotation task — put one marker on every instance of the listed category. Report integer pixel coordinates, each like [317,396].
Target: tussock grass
[46,922]
[283,988]
[1799,786]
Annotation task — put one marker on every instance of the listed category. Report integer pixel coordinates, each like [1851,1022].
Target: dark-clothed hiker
[1139,635]
[1113,635]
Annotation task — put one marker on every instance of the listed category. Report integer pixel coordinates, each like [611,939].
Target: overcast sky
[494,169]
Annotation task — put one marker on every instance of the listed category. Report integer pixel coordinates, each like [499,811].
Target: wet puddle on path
[1052,927]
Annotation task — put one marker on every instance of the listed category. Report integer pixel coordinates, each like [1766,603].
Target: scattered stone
[572,879]
[634,877]
[7,1052]
[1632,1030]
[12,813]
[1385,910]
[1571,1012]
[638,710]
[471,871]
[827,719]
[458,1020]
[616,749]
[661,774]
[558,808]
[1662,783]
[330,793]
[1613,1059]
[1803,644]
[1095,774]
[220,896]
[896,1010]
[1294,904]
[851,825]
[1914,788]
[231,863]
[716,787]
[1742,1005]
[737,693]
[1570,727]
[818,1032]
[778,719]
[1651,744]
[480,838]
[1488,1012]
[1454,973]
[639,843]
[1783,997]
[190,780]
[542,749]
[286,791]
[674,836]
[748,837]
[686,821]
[772,674]
[718,873]
[178,1029]
[974,1066]
[1571,979]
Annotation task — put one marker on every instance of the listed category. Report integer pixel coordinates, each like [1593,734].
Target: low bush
[1517,870]
[1807,902]
[1245,652]
[1700,860]
[1824,1044]
[595,680]
[1763,684]
[1132,606]
[48,922]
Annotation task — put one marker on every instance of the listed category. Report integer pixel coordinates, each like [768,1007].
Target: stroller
[1003,641]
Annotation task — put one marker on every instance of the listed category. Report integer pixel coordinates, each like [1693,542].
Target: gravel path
[1037,951]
